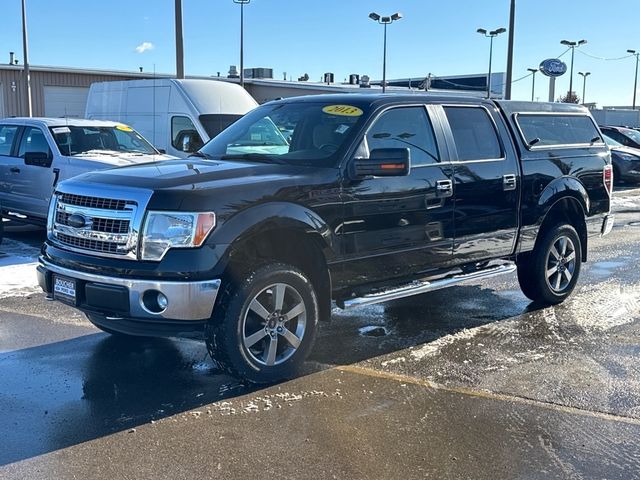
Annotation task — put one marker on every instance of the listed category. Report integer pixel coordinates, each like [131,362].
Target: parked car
[628,137]
[178,116]
[37,153]
[625,160]
[375,197]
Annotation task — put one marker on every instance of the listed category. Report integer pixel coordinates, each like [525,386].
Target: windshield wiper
[200,155]
[254,157]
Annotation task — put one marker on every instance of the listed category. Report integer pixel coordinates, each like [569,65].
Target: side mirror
[161,150]
[186,143]
[39,159]
[384,162]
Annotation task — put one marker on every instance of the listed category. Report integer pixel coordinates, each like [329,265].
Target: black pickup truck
[353,198]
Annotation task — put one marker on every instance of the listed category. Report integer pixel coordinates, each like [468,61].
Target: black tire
[240,334]
[549,274]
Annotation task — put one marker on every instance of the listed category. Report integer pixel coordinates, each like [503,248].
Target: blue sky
[317,36]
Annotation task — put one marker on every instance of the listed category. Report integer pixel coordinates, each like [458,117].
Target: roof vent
[233,72]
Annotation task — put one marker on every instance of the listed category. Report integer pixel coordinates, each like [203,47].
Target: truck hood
[108,159]
[190,174]
[193,183]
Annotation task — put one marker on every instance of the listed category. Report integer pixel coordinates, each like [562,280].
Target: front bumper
[123,298]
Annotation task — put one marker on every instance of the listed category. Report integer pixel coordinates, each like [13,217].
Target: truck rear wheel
[263,328]
[549,274]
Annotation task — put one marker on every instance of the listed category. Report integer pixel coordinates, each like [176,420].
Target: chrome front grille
[93,202]
[87,244]
[95,225]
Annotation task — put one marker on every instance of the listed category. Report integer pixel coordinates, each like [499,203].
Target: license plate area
[65,289]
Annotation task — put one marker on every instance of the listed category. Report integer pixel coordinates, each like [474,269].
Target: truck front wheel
[549,274]
[263,328]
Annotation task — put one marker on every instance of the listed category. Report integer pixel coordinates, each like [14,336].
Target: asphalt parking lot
[468,382]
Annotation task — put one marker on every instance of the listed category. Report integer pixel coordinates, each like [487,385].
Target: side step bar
[422,286]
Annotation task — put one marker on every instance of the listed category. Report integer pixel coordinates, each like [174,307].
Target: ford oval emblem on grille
[76,221]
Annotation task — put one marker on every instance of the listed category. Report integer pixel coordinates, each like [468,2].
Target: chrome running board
[422,286]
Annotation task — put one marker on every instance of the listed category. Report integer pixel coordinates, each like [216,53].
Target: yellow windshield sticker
[124,128]
[344,110]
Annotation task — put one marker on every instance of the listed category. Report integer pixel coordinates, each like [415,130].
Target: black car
[625,160]
[627,137]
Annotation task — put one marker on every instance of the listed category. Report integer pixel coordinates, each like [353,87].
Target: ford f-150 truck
[357,199]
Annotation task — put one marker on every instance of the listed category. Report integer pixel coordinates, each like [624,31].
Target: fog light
[162,300]
[154,301]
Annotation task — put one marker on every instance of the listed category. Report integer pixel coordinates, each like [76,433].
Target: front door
[399,226]
[37,178]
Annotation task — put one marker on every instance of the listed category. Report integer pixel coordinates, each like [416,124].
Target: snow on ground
[17,269]
[625,200]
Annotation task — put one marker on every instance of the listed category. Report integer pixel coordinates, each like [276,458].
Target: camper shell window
[553,130]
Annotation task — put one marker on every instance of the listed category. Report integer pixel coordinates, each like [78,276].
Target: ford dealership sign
[553,67]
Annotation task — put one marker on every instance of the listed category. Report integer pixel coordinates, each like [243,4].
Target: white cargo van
[177,116]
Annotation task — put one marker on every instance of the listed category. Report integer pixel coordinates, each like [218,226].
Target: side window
[474,133]
[558,129]
[7,136]
[405,127]
[33,140]
[184,136]
[618,137]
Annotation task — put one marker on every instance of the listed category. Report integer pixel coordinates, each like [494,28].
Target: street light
[572,46]
[635,82]
[491,34]
[584,82]
[384,21]
[242,4]
[533,84]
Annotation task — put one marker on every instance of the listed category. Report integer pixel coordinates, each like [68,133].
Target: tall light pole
[384,21]
[512,26]
[179,41]
[635,82]
[584,83]
[242,4]
[491,35]
[25,53]
[572,46]
[533,84]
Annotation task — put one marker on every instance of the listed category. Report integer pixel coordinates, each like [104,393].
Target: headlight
[165,230]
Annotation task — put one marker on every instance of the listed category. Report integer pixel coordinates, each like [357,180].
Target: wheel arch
[283,233]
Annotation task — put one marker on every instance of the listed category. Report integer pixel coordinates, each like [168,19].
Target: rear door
[12,188]
[486,183]
[399,226]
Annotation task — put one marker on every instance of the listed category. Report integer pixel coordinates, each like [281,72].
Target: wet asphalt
[468,382]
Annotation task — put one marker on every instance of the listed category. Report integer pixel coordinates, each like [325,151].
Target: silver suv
[37,153]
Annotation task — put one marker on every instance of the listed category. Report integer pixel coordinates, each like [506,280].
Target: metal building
[55,91]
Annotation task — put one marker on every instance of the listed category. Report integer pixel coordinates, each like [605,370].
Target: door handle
[444,188]
[509,182]
[14,170]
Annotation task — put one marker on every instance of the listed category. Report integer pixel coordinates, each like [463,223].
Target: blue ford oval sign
[553,67]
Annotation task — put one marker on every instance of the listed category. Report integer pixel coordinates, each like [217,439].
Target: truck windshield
[73,140]
[297,132]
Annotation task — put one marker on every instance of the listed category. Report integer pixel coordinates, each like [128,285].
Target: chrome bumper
[186,300]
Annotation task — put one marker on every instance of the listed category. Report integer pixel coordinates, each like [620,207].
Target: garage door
[65,101]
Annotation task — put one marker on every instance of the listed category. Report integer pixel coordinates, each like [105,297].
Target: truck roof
[57,122]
